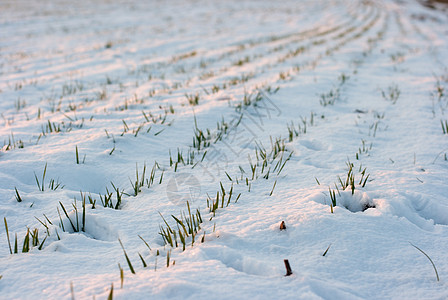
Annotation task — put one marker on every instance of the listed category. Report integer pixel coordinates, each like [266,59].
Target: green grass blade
[127,258]
[111,293]
[84,215]
[66,214]
[272,191]
[147,245]
[26,242]
[143,261]
[16,246]
[18,198]
[7,235]
[37,181]
[43,177]
[77,155]
[121,275]
[328,248]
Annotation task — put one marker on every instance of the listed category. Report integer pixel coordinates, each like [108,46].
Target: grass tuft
[127,258]
[41,185]
[18,198]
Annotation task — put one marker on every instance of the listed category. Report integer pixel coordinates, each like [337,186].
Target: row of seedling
[193,99]
[31,240]
[222,199]
[80,225]
[187,227]
[330,97]
[349,182]
[392,93]
[334,94]
[142,181]
[72,87]
[129,103]
[204,64]
[180,158]
[204,138]
[249,99]
[201,140]
[364,149]
[242,79]
[150,117]
[108,200]
[52,127]
[77,223]
[53,184]
[144,263]
[300,129]
[266,163]
[12,143]
[373,128]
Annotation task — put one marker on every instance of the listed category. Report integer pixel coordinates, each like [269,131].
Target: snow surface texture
[261,104]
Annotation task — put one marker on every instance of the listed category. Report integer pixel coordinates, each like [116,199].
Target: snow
[361,85]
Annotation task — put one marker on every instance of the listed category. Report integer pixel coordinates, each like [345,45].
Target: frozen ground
[262,105]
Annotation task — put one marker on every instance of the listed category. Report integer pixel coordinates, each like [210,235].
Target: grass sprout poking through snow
[444,126]
[18,198]
[249,99]
[330,98]
[438,96]
[77,157]
[127,258]
[41,185]
[193,100]
[106,199]
[55,184]
[187,228]
[334,94]
[7,234]
[326,251]
[139,183]
[392,93]
[12,144]
[203,138]
[350,184]
[76,228]
[349,181]
[30,240]
[220,200]
[294,132]
[111,293]
[364,149]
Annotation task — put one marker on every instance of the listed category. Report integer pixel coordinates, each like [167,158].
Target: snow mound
[236,260]
[94,227]
[359,201]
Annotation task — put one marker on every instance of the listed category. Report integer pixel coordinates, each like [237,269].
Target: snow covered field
[189,130]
